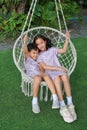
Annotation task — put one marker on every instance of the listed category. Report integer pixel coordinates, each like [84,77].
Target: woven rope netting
[68,60]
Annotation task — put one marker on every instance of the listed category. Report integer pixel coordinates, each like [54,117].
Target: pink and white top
[49,57]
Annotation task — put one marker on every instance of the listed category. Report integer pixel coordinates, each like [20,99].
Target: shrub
[11,23]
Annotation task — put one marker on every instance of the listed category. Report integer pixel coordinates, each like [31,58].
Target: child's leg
[57,82]
[53,91]
[50,84]
[71,108]
[36,84]
[64,111]
[67,88]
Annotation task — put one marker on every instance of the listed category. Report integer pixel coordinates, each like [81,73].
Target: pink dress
[49,57]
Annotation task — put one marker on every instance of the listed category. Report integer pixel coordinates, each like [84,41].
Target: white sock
[55,98]
[69,100]
[62,103]
[35,100]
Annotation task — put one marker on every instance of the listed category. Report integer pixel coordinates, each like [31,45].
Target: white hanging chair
[67,60]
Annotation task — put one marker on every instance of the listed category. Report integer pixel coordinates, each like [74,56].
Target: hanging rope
[63,15]
[32,9]
[27,16]
[32,13]
[58,18]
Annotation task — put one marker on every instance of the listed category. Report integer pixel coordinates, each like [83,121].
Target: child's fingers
[64,69]
[69,31]
[68,34]
[26,35]
[26,38]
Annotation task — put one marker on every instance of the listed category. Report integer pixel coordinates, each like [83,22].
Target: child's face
[41,44]
[33,54]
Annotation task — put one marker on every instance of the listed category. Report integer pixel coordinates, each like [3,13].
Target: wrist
[67,38]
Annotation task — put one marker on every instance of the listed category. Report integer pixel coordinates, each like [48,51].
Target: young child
[48,55]
[33,70]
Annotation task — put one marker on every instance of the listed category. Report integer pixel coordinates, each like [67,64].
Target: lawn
[15,108]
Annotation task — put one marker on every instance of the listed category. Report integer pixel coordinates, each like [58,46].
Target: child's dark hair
[31,46]
[48,45]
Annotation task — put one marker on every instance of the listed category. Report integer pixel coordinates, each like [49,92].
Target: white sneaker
[55,104]
[72,111]
[35,108]
[66,114]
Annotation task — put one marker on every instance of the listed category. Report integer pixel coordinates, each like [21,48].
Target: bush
[45,14]
[11,23]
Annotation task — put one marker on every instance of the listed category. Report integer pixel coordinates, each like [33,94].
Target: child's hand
[63,69]
[67,35]
[25,38]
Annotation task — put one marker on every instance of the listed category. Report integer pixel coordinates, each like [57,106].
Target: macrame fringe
[41,93]
[27,89]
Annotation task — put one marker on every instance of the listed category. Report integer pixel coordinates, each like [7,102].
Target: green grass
[15,108]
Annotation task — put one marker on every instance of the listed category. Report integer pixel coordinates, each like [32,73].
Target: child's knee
[57,79]
[37,78]
[65,78]
[46,77]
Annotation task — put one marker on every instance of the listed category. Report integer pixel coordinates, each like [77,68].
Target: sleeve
[39,59]
[55,50]
[26,65]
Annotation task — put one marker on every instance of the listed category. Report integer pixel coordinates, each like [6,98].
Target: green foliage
[45,13]
[11,22]
[72,8]
[12,26]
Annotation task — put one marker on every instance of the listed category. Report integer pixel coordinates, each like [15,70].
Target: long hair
[48,41]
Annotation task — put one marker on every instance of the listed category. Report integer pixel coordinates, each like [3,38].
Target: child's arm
[41,69]
[25,39]
[48,67]
[64,49]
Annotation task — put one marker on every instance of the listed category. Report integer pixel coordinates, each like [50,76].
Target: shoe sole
[55,107]
[36,112]
[65,120]
[75,118]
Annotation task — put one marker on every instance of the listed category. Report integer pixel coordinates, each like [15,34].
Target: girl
[33,70]
[48,55]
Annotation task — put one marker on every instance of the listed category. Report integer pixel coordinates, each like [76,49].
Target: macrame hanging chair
[68,60]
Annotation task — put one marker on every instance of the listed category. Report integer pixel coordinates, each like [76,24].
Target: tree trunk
[21,6]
